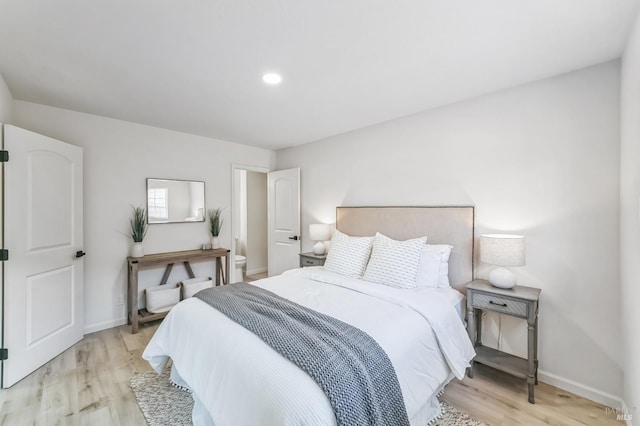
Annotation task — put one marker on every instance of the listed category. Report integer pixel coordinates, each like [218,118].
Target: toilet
[241,262]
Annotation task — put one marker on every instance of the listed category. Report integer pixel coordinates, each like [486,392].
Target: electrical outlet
[120,300]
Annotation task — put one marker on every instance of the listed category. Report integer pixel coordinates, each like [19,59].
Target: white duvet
[237,379]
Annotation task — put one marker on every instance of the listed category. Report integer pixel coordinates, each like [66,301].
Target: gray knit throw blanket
[351,368]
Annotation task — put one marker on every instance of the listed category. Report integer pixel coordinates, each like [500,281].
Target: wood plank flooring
[255,277]
[89,385]
[497,398]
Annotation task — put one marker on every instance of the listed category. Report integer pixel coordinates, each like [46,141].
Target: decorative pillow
[434,266]
[348,255]
[394,263]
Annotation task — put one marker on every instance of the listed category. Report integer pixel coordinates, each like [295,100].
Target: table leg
[531,379]
[218,271]
[535,348]
[129,293]
[226,268]
[133,296]
[478,314]
[471,329]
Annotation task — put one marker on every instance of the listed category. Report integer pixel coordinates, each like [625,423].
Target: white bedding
[455,298]
[239,380]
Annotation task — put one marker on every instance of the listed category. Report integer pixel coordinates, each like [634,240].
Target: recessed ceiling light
[272,78]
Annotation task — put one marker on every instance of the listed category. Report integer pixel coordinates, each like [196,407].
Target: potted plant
[139,229]
[215,225]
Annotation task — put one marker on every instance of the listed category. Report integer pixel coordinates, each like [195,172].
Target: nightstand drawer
[499,304]
[308,261]
[311,259]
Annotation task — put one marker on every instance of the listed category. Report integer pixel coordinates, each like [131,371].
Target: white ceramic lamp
[319,232]
[502,250]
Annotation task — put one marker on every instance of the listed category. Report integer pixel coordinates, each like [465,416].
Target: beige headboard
[441,225]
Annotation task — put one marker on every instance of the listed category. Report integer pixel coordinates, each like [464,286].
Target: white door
[284,220]
[43,278]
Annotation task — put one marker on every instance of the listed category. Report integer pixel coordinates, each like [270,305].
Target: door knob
[80,253]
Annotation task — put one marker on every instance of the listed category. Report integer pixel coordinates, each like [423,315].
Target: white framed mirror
[175,201]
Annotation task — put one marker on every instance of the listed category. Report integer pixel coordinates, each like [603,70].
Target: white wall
[118,157]
[630,220]
[540,160]
[6,103]
[257,234]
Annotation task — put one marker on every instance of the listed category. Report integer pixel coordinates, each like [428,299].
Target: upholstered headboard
[441,225]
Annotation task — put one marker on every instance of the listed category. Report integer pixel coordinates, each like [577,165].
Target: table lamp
[319,232]
[502,250]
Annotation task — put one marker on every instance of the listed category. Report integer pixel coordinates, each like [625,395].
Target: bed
[237,379]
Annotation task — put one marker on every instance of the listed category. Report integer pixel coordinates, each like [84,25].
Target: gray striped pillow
[348,255]
[394,263]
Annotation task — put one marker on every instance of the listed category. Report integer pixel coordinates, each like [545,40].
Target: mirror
[175,201]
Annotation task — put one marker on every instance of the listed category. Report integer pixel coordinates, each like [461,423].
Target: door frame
[234,168]
[2,344]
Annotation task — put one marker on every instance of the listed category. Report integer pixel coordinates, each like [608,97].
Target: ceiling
[196,65]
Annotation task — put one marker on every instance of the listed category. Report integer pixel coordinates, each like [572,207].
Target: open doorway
[249,221]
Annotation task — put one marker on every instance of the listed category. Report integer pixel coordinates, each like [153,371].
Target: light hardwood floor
[89,385]
[496,398]
[255,277]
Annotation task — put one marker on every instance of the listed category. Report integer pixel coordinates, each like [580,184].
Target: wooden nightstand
[311,259]
[521,302]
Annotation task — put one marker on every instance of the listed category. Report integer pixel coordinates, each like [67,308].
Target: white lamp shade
[502,249]
[319,232]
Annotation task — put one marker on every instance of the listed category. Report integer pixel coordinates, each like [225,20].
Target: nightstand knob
[504,305]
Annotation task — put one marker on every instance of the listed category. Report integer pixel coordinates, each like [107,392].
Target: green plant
[138,223]
[215,221]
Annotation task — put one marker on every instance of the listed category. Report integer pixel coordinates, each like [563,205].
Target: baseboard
[582,390]
[104,325]
[256,271]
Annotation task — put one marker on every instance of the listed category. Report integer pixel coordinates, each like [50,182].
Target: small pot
[215,242]
[137,250]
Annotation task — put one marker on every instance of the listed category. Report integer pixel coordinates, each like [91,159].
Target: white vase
[215,242]
[137,250]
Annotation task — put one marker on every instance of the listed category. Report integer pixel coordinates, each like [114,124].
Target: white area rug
[165,405]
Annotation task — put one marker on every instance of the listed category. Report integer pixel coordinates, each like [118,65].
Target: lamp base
[502,278]
[318,248]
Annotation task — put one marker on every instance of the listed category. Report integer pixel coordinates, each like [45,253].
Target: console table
[134,264]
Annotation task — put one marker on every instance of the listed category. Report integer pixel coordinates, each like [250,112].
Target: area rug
[152,391]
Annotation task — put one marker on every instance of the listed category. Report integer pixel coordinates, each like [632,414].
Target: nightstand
[519,301]
[311,259]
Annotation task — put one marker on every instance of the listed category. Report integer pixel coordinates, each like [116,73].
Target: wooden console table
[134,264]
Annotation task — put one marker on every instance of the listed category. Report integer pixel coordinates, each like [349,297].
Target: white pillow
[348,255]
[434,266]
[394,263]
